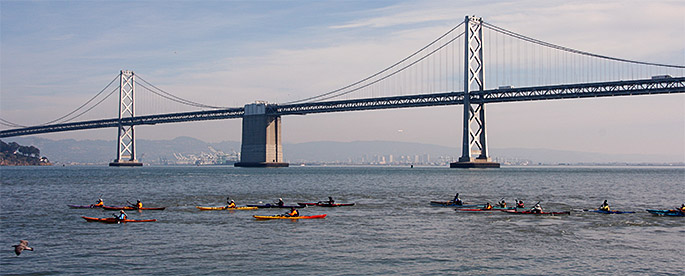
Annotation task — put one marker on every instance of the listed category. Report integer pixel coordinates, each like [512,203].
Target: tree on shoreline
[13,154]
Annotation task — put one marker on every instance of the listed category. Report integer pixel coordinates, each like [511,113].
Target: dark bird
[21,246]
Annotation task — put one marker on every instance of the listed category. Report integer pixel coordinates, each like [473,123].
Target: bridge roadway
[553,92]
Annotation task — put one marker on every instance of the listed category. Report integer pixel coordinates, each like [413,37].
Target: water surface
[392,229]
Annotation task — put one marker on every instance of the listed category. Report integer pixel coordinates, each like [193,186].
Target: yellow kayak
[224,208]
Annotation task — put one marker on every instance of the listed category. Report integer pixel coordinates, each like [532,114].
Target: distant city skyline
[56,55]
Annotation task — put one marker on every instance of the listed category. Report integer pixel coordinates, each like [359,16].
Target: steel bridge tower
[126,142]
[474,133]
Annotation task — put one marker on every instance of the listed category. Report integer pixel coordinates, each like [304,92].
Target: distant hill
[154,151]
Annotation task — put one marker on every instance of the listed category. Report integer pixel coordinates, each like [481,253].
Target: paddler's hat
[122,212]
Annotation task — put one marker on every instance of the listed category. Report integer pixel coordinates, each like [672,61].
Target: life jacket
[604,207]
[231,205]
[537,209]
[519,205]
[122,216]
[294,213]
[100,203]
[503,204]
[139,205]
[488,207]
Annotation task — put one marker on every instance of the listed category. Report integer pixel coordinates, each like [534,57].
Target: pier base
[475,164]
[261,164]
[125,163]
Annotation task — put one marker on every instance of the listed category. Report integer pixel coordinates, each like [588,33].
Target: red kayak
[115,220]
[286,217]
[324,204]
[131,208]
[534,213]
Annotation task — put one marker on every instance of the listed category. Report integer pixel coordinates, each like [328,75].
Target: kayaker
[122,215]
[537,208]
[502,203]
[280,202]
[682,208]
[138,204]
[488,206]
[230,204]
[331,201]
[604,206]
[293,213]
[520,204]
[457,200]
[100,203]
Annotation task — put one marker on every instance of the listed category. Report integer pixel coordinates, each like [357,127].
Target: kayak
[533,213]
[269,205]
[284,217]
[452,204]
[115,220]
[131,208]
[224,208]
[92,206]
[485,210]
[672,213]
[611,212]
[324,204]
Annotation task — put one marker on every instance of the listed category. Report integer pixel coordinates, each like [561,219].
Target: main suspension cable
[376,74]
[558,47]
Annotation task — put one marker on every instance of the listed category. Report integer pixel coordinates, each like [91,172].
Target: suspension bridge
[450,70]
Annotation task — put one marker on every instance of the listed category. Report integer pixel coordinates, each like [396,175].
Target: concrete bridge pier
[261,143]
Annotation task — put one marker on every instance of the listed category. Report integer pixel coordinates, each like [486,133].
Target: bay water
[392,229]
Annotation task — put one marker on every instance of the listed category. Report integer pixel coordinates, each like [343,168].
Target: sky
[55,55]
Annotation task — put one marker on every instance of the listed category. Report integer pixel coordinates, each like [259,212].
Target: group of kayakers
[501,204]
[537,208]
[230,203]
[122,215]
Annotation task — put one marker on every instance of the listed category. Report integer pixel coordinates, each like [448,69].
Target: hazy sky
[55,55]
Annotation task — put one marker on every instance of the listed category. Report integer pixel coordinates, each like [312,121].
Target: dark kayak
[611,212]
[269,205]
[92,206]
[534,213]
[324,204]
[452,204]
[115,220]
[671,213]
[131,208]
[484,210]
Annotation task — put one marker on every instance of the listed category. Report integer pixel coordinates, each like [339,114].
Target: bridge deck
[554,92]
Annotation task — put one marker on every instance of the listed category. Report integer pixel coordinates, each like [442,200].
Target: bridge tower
[261,142]
[126,143]
[474,133]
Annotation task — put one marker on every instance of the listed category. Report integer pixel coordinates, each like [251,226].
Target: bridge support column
[261,144]
[126,144]
[474,108]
